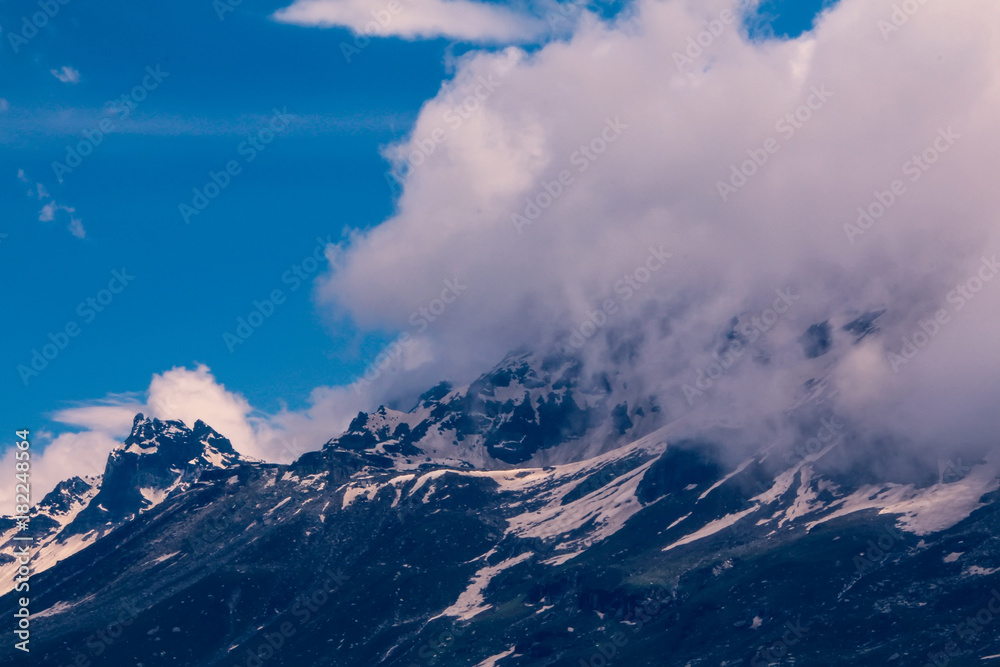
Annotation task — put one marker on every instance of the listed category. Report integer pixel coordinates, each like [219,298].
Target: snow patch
[562,558]
[48,553]
[470,603]
[268,513]
[726,478]
[57,608]
[492,661]
[605,511]
[712,528]
[923,511]
[353,493]
[214,457]
[154,496]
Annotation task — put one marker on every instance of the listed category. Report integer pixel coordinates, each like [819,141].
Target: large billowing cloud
[541,184]
[589,195]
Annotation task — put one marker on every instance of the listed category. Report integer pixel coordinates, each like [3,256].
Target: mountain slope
[654,553]
[529,409]
[157,459]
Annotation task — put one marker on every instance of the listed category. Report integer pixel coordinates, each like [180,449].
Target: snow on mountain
[532,501]
[157,459]
[529,410]
[48,518]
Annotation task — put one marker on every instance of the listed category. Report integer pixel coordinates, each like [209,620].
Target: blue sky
[324,174]
[119,209]
[785,18]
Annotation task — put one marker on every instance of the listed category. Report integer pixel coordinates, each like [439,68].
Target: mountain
[437,537]
[529,409]
[157,459]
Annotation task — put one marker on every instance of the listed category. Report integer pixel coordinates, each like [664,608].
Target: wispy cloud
[427,19]
[51,208]
[37,123]
[75,228]
[48,212]
[66,74]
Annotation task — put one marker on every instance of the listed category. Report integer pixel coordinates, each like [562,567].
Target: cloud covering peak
[760,233]
[848,166]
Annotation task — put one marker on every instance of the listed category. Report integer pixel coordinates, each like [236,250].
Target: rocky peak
[157,458]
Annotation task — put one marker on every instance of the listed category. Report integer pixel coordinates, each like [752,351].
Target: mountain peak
[147,432]
[157,458]
[148,435]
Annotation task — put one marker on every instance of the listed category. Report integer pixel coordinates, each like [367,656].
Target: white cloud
[413,19]
[289,433]
[191,395]
[76,228]
[657,183]
[51,208]
[4,104]
[113,415]
[48,212]
[66,74]
[68,455]
[187,395]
